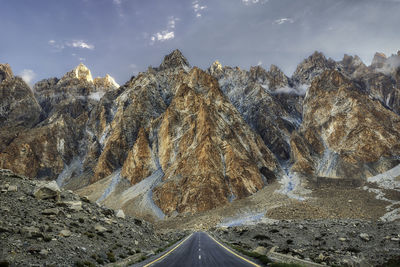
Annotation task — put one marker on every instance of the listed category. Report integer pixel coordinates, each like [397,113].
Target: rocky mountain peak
[258,73]
[351,60]
[277,79]
[18,106]
[174,60]
[106,82]
[216,67]
[353,65]
[336,131]
[81,72]
[379,60]
[312,67]
[5,72]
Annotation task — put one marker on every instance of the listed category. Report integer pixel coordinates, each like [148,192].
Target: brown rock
[206,150]
[18,106]
[344,131]
[5,72]
[139,163]
[47,191]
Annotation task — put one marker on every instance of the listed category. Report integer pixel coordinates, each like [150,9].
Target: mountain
[260,96]
[180,140]
[182,126]
[18,106]
[344,133]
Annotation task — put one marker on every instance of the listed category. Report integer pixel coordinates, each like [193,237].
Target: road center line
[199,257]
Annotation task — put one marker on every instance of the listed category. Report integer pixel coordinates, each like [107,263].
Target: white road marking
[199,257]
[199,249]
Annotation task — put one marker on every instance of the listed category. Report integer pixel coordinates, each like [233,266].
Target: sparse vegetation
[111,256]
[395,262]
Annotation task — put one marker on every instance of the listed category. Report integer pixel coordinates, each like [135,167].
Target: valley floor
[324,201]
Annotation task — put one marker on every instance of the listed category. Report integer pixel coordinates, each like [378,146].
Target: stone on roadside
[44,252]
[12,188]
[47,191]
[100,229]
[32,232]
[65,233]
[50,211]
[364,237]
[120,214]
[85,199]
[71,205]
[261,250]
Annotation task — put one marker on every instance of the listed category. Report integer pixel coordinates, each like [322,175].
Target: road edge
[232,252]
[166,253]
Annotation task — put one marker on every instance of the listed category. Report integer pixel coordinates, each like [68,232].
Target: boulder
[71,205]
[120,214]
[65,233]
[100,229]
[261,250]
[49,190]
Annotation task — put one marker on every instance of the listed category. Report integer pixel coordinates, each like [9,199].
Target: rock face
[178,140]
[344,133]
[311,67]
[139,163]
[5,72]
[203,140]
[61,138]
[265,100]
[174,60]
[105,83]
[18,106]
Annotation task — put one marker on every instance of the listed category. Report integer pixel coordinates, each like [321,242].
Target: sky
[47,38]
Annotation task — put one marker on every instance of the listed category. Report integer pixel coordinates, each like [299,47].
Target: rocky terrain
[41,225]
[330,242]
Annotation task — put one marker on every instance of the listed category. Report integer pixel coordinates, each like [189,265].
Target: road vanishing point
[199,249]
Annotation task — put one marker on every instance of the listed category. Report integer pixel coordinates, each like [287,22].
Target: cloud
[163,36]
[390,65]
[197,8]
[80,44]
[172,21]
[283,20]
[167,34]
[249,2]
[118,6]
[74,44]
[28,75]
[56,45]
[300,90]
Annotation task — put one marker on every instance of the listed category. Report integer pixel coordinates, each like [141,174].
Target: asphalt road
[200,250]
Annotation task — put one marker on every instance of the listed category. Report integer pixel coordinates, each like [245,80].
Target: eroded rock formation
[344,134]
[177,139]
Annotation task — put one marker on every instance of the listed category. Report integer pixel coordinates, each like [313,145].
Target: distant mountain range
[177,139]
